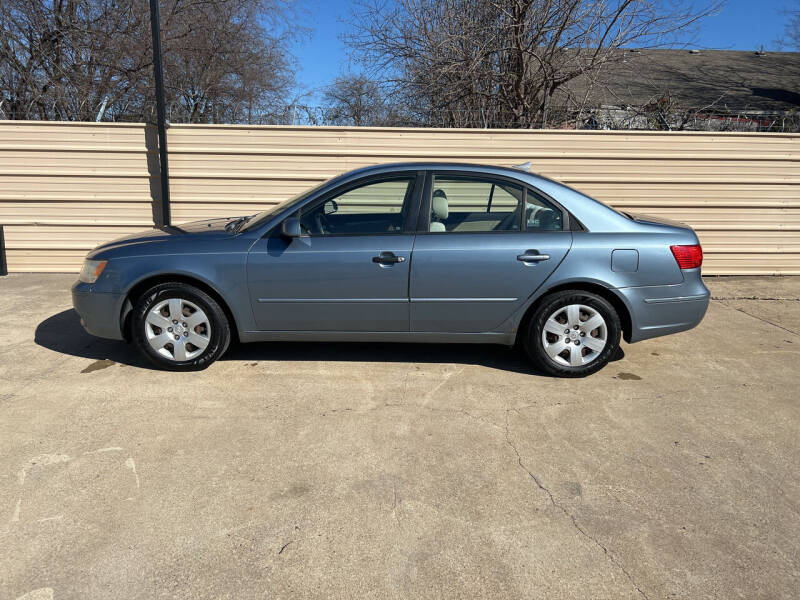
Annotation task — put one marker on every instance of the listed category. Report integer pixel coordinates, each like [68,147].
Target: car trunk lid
[640,218]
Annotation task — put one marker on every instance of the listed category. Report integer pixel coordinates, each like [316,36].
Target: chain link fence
[649,118]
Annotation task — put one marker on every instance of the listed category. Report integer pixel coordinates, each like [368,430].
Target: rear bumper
[99,312]
[665,309]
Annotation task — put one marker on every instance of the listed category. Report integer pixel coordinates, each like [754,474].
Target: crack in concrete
[286,545]
[569,515]
[765,298]
[763,320]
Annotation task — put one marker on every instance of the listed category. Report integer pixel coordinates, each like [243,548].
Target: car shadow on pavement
[487,355]
[63,333]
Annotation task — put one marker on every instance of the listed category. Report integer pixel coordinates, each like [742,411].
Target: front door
[489,244]
[348,271]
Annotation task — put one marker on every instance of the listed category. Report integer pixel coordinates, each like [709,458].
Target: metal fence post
[158,74]
[3,263]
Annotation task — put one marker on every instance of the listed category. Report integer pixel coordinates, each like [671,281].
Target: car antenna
[524,166]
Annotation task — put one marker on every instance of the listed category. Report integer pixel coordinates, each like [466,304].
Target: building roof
[723,80]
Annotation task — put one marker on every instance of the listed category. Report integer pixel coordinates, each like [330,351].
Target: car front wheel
[572,334]
[179,327]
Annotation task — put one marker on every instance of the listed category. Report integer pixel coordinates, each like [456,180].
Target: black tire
[218,340]
[535,347]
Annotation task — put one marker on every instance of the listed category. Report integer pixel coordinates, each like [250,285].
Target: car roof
[480,168]
[514,172]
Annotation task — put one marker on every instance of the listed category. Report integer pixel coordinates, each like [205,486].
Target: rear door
[485,244]
[349,270]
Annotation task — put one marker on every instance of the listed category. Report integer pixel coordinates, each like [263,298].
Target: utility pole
[158,75]
[3,263]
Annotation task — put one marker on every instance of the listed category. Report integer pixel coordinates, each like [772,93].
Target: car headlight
[91,270]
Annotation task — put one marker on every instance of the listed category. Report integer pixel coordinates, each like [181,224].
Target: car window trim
[569,221]
[413,199]
[565,216]
[423,226]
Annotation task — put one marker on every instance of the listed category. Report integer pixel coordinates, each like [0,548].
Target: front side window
[460,204]
[373,208]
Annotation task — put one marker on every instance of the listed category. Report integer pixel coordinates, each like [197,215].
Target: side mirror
[291,227]
[330,207]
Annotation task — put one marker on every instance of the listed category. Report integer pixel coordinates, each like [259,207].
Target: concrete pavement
[406,471]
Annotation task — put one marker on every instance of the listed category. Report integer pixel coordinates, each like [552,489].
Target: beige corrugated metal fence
[65,187]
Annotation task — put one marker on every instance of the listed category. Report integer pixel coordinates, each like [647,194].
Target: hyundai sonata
[416,252]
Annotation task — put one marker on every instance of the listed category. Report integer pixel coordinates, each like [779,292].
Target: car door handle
[388,258]
[532,256]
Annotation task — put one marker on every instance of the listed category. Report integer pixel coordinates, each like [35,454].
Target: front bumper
[99,311]
[666,309]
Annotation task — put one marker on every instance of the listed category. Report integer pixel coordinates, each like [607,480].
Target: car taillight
[688,257]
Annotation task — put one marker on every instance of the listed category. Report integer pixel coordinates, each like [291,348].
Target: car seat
[440,210]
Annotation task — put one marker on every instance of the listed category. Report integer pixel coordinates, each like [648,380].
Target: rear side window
[461,204]
[541,215]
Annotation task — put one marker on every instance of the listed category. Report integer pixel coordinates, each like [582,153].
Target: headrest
[549,220]
[439,205]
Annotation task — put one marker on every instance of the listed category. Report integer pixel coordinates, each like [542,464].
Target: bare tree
[791,33]
[475,63]
[221,64]
[65,59]
[58,60]
[355,100]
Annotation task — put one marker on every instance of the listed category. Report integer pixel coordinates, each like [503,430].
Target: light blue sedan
[415,252]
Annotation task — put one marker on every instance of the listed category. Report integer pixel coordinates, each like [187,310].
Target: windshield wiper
[236,224]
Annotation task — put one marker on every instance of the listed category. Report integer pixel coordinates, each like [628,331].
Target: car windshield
[266,215]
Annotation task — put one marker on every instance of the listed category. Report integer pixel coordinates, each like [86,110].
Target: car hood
[194,231]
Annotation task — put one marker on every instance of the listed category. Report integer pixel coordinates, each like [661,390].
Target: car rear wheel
[179,327]
[572,334]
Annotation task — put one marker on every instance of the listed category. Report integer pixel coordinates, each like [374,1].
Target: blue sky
[742,25]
